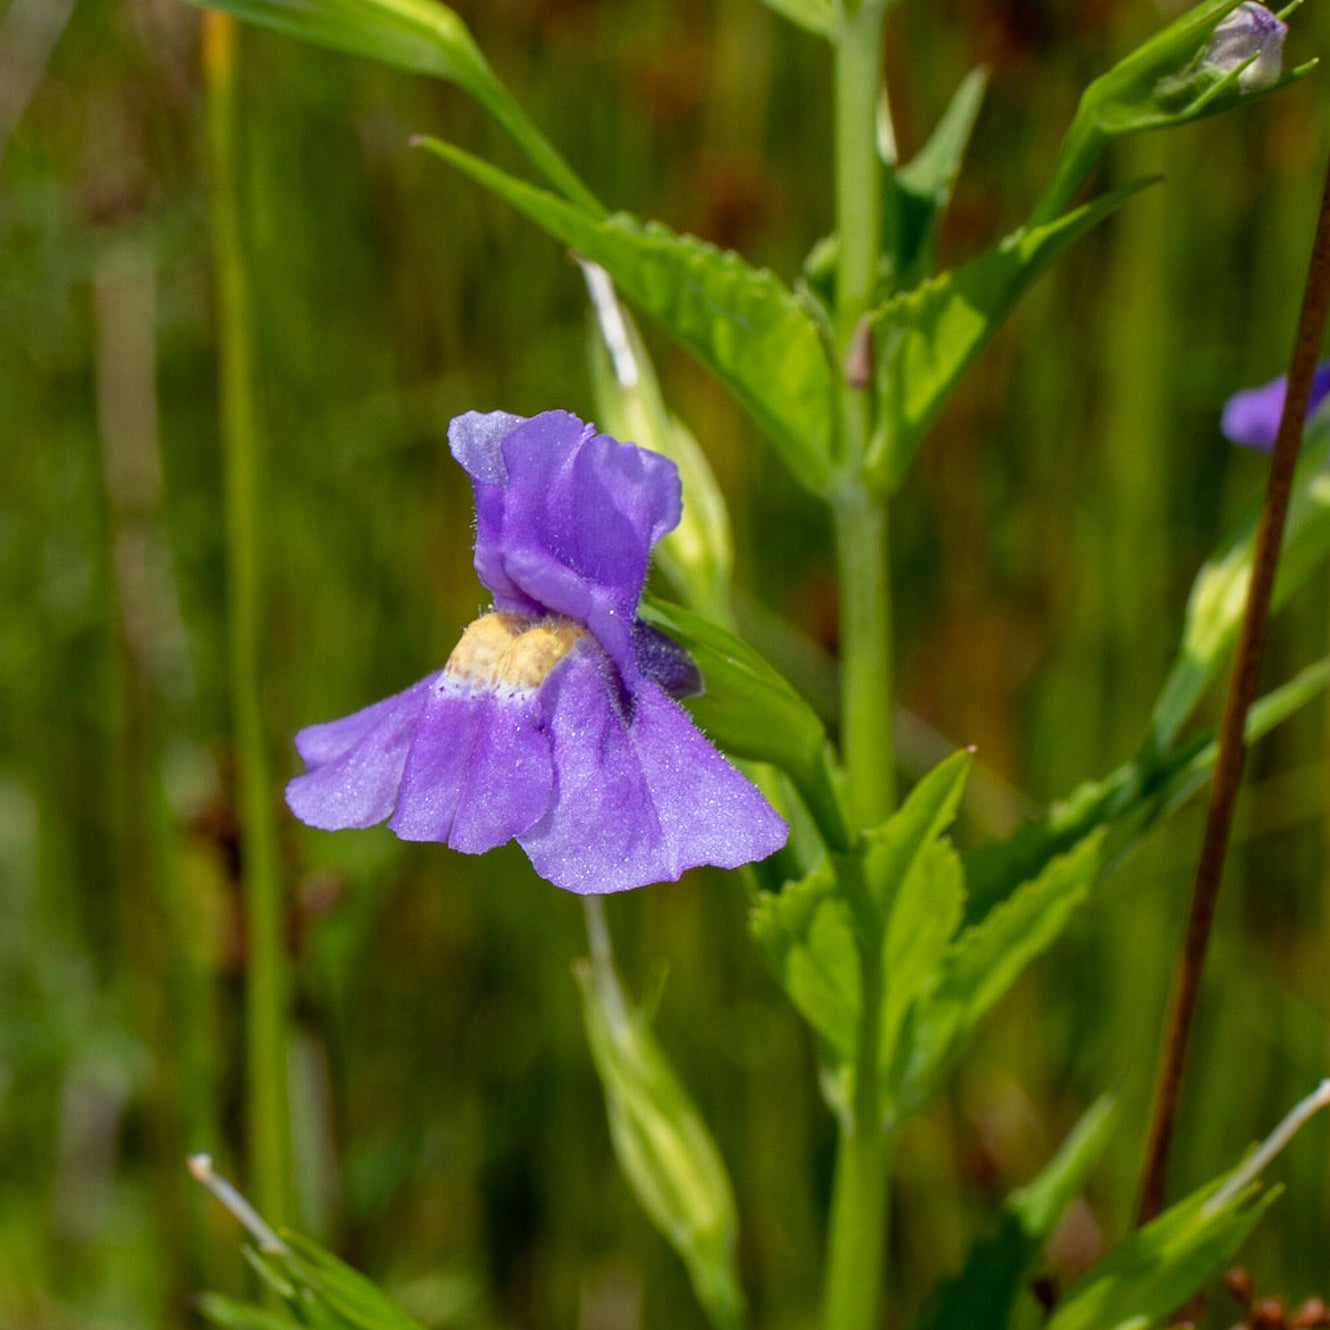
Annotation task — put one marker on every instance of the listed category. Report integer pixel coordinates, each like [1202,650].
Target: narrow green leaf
[232,1315]
[752,712]
[807,935]
[926,338]
[1130,800]
[816,16]
[344,1291]
[741,322]
[923,186]
[1219,595]
[980,965]
[421,36]
[1157,1268]
[662,1144]
[982,1295]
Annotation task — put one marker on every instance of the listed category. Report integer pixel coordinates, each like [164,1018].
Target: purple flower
[1251,39]
[553,720]
[1251,417]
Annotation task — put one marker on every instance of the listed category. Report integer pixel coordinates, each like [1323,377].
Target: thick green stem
[857,1239]
[865,613]
[266,978]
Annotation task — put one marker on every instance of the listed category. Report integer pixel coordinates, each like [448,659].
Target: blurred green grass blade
[697,556]
[1218,598]
[816,16]
[749,710]
[983,1294]
[344,1291]
[741,322]
[923,186]
[1157,1268]
[423,37]
[663,1145]
[926,338]
[980,965]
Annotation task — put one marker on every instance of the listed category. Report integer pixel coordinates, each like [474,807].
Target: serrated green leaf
[663,1145]
[817,16]
[741,322]
[928,909]
[749,710]
[916,880]
[923,186]
[926,338]
[978,968]
[807,935]
[1157,1268]
[1219,595]
[982,1295]
[424,37]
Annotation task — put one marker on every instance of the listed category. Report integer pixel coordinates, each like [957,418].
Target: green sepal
[750,710]
[983,1295]
[662,1144]
[1159,1267]
[1158,86]
[978,967]
[423,37]
[740,321]
[697,556]
[926,338]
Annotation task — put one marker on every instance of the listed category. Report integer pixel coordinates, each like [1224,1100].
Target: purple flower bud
[1250,33]
[553,722]
[1251,417]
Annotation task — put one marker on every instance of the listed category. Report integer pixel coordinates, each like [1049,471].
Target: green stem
[857,1239]
[266,978]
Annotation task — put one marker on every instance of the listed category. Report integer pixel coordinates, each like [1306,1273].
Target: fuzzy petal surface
[355,763]
[638,802]
[479,771]
[565,519]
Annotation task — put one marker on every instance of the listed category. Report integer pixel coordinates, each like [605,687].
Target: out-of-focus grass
[449,1130]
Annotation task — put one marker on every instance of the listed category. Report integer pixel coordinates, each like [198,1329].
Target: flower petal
[1251,417]
[566,523]
[640,802]
[479,771]
[355,763]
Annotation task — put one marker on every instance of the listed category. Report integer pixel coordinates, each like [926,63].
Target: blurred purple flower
[553,720]
[1251,417]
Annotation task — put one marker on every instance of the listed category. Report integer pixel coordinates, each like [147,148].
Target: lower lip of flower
[502,651]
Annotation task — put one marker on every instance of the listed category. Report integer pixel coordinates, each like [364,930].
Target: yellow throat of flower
[503,650]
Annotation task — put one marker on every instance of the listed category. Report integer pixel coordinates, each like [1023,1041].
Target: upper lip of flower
[552,721]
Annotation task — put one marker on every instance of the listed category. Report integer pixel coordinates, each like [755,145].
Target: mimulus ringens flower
[553,721]
[1251,417]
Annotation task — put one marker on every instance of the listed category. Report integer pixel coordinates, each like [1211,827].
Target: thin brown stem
[1241,692]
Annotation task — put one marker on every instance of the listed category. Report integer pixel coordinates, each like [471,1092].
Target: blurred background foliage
[449,1130]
